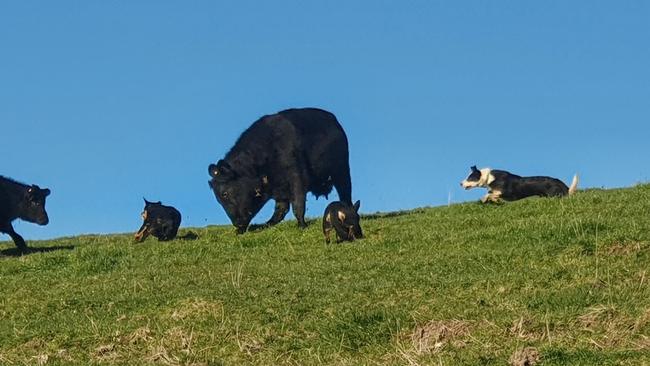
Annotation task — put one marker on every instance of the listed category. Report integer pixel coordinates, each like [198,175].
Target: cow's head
[242,197]
[32,206]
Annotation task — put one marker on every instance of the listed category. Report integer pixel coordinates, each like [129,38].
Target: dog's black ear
[356,206]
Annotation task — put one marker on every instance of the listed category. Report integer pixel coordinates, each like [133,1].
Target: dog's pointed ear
[341,215]
[356,206]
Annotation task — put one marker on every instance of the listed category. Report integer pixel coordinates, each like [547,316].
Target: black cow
[20,201]
[160,221]
[344,220]
[282,157]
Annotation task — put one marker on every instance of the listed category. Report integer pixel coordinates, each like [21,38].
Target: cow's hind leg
[281,210]
[18,240]
[343,185]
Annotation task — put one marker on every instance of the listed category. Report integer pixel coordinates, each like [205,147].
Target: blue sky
[105,102]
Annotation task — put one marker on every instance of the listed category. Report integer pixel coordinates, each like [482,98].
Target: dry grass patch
[197,308]
[596,316]
[611,330]
[106,352]
[527,329]
[625,248]
[435,335]
[528,356]
[140,335]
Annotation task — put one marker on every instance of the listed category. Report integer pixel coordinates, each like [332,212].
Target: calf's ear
[473,168]
[356,206]
[46,192]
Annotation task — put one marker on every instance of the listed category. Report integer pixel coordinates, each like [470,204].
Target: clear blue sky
[108,101]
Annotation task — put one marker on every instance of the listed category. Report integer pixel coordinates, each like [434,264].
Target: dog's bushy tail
[574,184]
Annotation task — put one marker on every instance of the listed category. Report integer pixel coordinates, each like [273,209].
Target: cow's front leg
[281,209]
[298,205]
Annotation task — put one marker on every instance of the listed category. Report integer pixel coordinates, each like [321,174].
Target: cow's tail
[574,184]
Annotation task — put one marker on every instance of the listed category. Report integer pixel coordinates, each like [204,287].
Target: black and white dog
[506,186]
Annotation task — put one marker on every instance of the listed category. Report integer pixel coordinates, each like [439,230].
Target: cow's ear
[341,215]
[357,205]
[474,168]
[46,192]
[224,169]
[213,170]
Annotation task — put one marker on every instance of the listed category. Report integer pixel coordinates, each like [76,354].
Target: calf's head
[240,196]
[32,206]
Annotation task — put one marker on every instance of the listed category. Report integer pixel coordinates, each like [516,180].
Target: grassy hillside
[467,284]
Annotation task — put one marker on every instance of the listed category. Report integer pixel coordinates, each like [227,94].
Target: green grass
[466,284]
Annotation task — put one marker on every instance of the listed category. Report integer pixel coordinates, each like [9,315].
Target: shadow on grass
[15,252]
[390,214]
[190,235]
[254,228]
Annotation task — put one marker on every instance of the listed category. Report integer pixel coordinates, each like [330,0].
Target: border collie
[503,185]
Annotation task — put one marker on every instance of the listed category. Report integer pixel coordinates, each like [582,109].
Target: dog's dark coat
[344,220]
[282,157]
[510,187]
[160,221]
[20,201]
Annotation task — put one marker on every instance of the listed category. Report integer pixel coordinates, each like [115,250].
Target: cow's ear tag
[258,192]
[265,179]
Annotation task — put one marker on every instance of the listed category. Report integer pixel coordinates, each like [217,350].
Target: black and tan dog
[506,186]
[160,221]
[344,219]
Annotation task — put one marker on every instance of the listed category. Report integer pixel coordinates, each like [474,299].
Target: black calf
[20,201]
